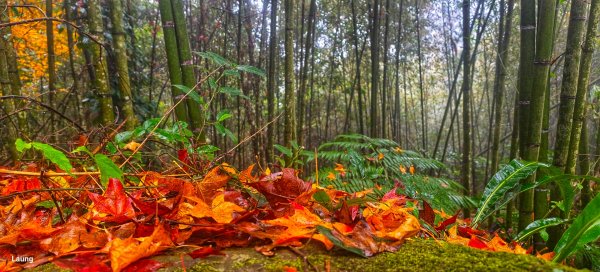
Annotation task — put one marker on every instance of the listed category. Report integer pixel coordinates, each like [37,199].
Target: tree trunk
[357,55]
[421,89]
[582,85]
[308,47]
[120,51]
[374,70]
[271,79]
[499,84]
[187,68]
[290,94]
[543,59]
[166,16]
[99,62]
[466,90]
[568,93]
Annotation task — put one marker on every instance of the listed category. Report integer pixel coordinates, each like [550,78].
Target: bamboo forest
[299,135]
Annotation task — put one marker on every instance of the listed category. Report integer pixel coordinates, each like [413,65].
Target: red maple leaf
[113,202]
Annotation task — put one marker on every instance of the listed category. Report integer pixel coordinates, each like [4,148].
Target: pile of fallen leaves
[73,223]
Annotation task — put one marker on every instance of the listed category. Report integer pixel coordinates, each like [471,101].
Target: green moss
[48,267]
[428,255]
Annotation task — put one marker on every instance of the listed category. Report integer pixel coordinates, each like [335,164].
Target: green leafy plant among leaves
[381,164]
[505,185]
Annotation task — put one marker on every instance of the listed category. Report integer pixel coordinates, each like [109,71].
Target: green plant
[500,189]
[365,163]
[108,169]
[291,157]
[584,230]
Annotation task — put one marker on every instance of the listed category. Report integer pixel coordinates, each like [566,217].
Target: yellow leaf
[412,169]
[380,156]
[402,169]
[222,211]
[133,146]
[331,176]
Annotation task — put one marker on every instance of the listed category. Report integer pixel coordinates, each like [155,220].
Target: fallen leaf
[113,205]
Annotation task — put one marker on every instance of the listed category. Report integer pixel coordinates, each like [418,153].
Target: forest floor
[415,255]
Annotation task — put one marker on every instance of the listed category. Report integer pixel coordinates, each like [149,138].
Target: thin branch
[79,127]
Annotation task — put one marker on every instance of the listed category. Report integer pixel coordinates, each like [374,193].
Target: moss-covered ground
[414,255]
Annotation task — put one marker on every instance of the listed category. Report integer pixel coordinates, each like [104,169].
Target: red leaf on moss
[143,265]
[476,243]
[427,214]
[85,262]
[447,222]
[113,202]
[204,252]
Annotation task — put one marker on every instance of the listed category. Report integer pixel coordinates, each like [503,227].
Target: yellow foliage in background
[29,41]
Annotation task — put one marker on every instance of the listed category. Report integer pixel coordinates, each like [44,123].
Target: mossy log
[415,255]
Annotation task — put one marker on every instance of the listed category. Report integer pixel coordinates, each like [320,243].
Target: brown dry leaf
[123,252]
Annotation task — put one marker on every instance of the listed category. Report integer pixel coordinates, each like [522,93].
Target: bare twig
[245,140]
[33,191]
[35,174]
[60,213]
[80,128]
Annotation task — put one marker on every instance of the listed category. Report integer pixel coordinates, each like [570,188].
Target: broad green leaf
[150,124]
[216,58]
[327,232]
[506,179]
[585,228]
[232,73]
[226,132]
[124,136]
[190,92]
[286,151]
[252,70]
[83,149]
[108,169]
[232,91]
[223,115]
[21,145]
[538,225]
[207,149]
[55,156]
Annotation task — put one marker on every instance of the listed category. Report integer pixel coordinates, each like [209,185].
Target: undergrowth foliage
[354,163]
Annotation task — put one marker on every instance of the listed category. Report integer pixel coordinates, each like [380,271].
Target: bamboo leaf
[252,70]
[585,228]
[538,225]
[506,179]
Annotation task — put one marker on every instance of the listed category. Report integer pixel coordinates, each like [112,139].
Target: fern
[380,164]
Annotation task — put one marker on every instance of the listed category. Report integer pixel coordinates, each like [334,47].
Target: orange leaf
[125,252]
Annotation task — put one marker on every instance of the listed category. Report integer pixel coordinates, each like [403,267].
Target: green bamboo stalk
[166,16]
[567,101]
[99,62]
[187,66]
[585,66]
[543,58]
[289,133]
[120,51]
